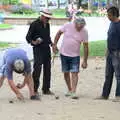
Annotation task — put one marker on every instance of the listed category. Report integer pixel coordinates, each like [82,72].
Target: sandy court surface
[86,108]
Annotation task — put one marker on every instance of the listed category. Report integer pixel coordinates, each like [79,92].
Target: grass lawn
[4,45]
[96,48]
[5,26]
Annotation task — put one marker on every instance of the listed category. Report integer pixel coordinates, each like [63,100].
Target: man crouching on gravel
[15,59]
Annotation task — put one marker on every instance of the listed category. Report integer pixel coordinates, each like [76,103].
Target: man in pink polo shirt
[74,34]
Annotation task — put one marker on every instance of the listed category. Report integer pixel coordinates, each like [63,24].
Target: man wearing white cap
[39,37]
[16,60]
[74,34]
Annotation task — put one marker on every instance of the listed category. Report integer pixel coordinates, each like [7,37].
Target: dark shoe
[102,98]
[117,99]
[48,92]
[35,97]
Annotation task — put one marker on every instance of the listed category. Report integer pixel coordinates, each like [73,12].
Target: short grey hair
[19,66]
[79,20]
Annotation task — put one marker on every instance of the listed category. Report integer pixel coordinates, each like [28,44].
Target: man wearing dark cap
[39,37]
[16,60]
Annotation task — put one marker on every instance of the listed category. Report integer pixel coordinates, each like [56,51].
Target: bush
[14,2]
[22,9]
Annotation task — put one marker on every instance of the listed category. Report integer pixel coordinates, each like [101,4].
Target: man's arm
[85,57]
[57,37]
[20,86]
[85,45]
[15,90]
[30,84]
[30,33]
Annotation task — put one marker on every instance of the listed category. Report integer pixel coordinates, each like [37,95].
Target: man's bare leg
[74,81]
[1,81]
[67,80]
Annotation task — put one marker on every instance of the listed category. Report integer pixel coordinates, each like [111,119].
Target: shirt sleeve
[29,36]
[9,72]
[27,67]
[63,28]
[85,35]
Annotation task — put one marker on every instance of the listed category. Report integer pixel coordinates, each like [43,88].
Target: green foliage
[5,26]
[96,48]
[4,2]
[60,13]
[12,2]
[4,45]
[22,9]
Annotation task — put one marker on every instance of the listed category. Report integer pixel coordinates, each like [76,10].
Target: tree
[90,4]
[6,2]
[58,3]
[115,2]
[108,3]
[119,4]
[46,3]
[78,3]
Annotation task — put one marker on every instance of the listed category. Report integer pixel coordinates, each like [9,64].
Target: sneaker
[35,97]
[117,99]
[68,94]
[48,92]
[74,96]
[101,98]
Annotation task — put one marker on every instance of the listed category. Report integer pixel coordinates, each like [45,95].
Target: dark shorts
[2,67]
[70,64]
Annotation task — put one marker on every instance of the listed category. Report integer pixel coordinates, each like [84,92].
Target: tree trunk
[46,3]
[58,3]
[78,3]
[69,1]
[115,2]
[119,5]
[89,4]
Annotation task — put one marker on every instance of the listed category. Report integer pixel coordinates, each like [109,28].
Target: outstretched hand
[84,65]
[20,96]
[54,49]
[20,86]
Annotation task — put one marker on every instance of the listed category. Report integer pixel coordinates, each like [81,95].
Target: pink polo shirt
[72,39]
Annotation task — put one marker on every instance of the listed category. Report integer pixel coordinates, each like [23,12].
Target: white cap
[46,13]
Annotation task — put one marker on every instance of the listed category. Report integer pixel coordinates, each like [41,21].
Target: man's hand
[36,42]
[54,49]
[84,64]
[20,86]
[20,96]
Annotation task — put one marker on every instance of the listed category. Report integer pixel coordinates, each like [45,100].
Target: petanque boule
[57,97]
[11,101]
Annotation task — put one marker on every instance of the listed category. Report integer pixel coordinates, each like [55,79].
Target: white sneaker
[74,96]
[68,94]
[117,99]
